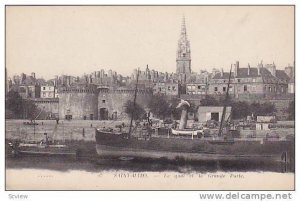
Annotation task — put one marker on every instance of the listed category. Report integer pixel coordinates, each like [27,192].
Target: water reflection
[138,165]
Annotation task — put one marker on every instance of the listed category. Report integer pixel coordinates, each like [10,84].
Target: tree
[14,103]
[21,108]
[209,101]
[240,109]
[291,110]
[175,112]
[268,109]
[137,110]
[160,107]
[193,108]
[259,109]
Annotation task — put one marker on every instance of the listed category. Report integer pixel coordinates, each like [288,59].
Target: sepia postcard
[149,97]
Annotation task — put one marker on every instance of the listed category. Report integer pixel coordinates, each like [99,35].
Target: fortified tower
[183,60]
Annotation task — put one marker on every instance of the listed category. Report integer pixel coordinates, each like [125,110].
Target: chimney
[258,70]
[248,69]
[23,78]
[222,72]
[236,68]
[33,75]
[289,71]
[274,69]
[56,81]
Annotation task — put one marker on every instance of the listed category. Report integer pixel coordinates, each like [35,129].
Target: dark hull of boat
[36,151]
[112,144]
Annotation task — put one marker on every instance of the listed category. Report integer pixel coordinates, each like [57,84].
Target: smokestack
[222,72]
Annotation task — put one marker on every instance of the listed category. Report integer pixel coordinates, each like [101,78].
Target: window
[174,88]
[230,88]
[245,87]
[44,94]
[103,101]
[253,80]
[44,88]
[199,87]
[216,88]
[239,80]
[224,89]
[169,88]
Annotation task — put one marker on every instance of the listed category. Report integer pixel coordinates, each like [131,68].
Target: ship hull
[28,149]
[119,145]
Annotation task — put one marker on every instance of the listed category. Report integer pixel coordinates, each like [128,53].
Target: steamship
[144,142]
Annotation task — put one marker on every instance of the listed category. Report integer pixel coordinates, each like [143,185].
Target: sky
[73,40]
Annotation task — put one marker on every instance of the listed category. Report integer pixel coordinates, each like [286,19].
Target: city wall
[78,104]
[48,106]
[114,101]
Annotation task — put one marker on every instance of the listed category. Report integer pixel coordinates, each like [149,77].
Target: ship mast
[134,100]
[225,105]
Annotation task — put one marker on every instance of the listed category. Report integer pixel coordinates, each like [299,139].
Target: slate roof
[225,76]
[41,81]
[268,77]
[292,80]
[243,73]
[282,76]
[29,81]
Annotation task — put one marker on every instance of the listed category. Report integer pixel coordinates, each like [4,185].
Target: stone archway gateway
[103,114]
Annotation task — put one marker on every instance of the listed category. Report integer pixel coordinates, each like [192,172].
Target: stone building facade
[248,83]
[48,91]
[166,88]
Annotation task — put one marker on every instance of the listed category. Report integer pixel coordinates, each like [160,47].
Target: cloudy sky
[76,40]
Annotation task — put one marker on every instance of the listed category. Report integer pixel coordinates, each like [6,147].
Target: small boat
[42,148]
[187,132]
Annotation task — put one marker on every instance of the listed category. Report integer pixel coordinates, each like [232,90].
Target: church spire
[183,27]
[183,52]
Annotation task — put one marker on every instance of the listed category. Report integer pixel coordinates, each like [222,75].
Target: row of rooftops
[267,72]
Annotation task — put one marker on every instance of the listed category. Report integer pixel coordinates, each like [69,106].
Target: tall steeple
[183,59]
